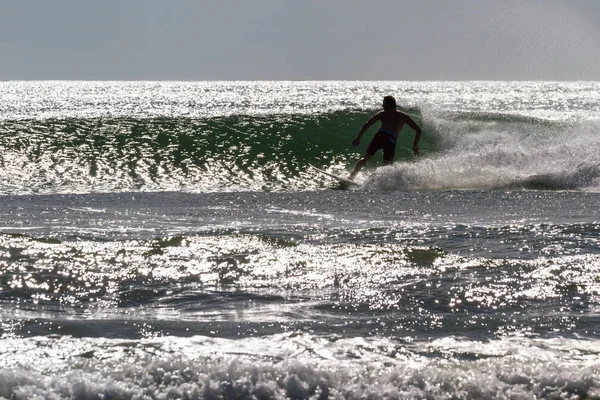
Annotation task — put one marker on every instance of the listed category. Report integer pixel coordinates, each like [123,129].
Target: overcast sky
[300,39]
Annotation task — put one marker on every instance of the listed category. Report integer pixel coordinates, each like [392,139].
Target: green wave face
[206,154]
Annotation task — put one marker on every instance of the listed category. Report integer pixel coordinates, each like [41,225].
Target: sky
[300,39]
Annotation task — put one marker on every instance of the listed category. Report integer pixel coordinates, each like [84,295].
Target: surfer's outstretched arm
[366,126]
[417,130]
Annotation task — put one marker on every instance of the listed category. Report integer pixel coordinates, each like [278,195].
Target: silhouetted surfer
[392,122]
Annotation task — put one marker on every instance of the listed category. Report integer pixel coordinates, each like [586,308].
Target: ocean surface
[167,240]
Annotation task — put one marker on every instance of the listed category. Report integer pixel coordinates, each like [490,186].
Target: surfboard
[339,178]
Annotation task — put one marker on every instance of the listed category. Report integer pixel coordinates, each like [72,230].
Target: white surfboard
[339,178]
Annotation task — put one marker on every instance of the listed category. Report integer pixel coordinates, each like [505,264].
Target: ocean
[170,240]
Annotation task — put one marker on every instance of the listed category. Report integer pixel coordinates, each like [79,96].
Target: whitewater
[170,240]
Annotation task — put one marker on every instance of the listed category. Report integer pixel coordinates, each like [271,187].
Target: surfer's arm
[417,130]
[364,128]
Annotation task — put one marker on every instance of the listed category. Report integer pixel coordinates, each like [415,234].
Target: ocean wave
[273,153]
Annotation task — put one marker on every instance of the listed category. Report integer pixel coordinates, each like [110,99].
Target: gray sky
[300,39]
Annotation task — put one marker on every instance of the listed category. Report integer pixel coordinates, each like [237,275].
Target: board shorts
[386,141]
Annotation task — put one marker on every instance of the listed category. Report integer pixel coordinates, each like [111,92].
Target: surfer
[392,122]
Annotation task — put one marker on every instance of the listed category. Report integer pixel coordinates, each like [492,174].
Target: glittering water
[168,240]
[73,99]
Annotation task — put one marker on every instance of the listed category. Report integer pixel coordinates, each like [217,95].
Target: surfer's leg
[359,165]
[377,143]
[389,151]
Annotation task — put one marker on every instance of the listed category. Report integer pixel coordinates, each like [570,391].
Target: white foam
[299,365]
[502,157]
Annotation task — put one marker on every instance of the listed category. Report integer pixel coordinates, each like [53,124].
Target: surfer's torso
[392,121]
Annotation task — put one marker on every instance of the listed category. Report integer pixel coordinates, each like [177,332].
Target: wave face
[206,154]
[262,136]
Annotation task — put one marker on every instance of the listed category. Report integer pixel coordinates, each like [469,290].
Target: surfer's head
[389,102]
